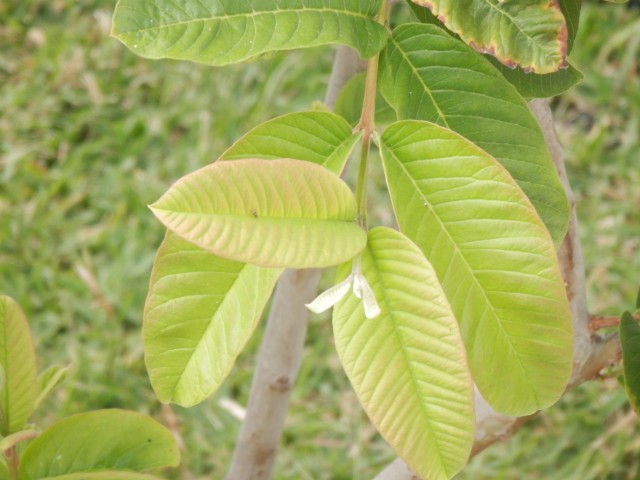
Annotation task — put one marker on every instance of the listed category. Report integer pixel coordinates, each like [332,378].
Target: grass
[90,134]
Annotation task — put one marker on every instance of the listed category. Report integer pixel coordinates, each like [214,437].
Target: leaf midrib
[200,341]
[412,375]
[470,270]
[243,217]
[415,72]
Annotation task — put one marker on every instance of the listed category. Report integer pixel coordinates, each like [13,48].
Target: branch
[280,354]
[598,322]
[591,353]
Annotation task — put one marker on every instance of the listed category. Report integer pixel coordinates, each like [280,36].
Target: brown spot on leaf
[563,36]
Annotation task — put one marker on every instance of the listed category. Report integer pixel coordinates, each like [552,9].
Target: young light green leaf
[105,475]
[319,137]
[17,368]
[429,75]
[97,441]
[494,258]
[531,34]
[49,379]
[221,32]
[408,365]
[200,312]
[630,343]
[276,213]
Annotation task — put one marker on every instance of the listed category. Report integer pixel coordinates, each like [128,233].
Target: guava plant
[466,290]
[99,445]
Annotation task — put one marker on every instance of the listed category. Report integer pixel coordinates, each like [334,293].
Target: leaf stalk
[13,462]
[367,124]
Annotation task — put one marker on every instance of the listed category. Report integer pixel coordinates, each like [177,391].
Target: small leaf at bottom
[100,440]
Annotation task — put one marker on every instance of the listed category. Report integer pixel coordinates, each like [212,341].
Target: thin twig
[598,322]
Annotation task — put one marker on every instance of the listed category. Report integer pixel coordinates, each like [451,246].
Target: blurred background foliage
[90,134]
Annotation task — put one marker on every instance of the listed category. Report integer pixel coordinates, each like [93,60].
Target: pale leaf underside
[200,312]
[276,213]
[323,138]
[408,364]
[495,259]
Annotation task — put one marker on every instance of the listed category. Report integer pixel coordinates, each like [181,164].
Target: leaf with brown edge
[531,34]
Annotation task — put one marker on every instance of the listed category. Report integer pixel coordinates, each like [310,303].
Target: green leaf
[319,137]
[630,343]
[17,368]
[105,475]
[531,34]
[531,85]
[220,32]
[200,312]
[571,11]
[494,258]
[99,440]
[428,75]
[278,213]
[4,471]
[408,364]
[424,15]
[49,380]
[351,97]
